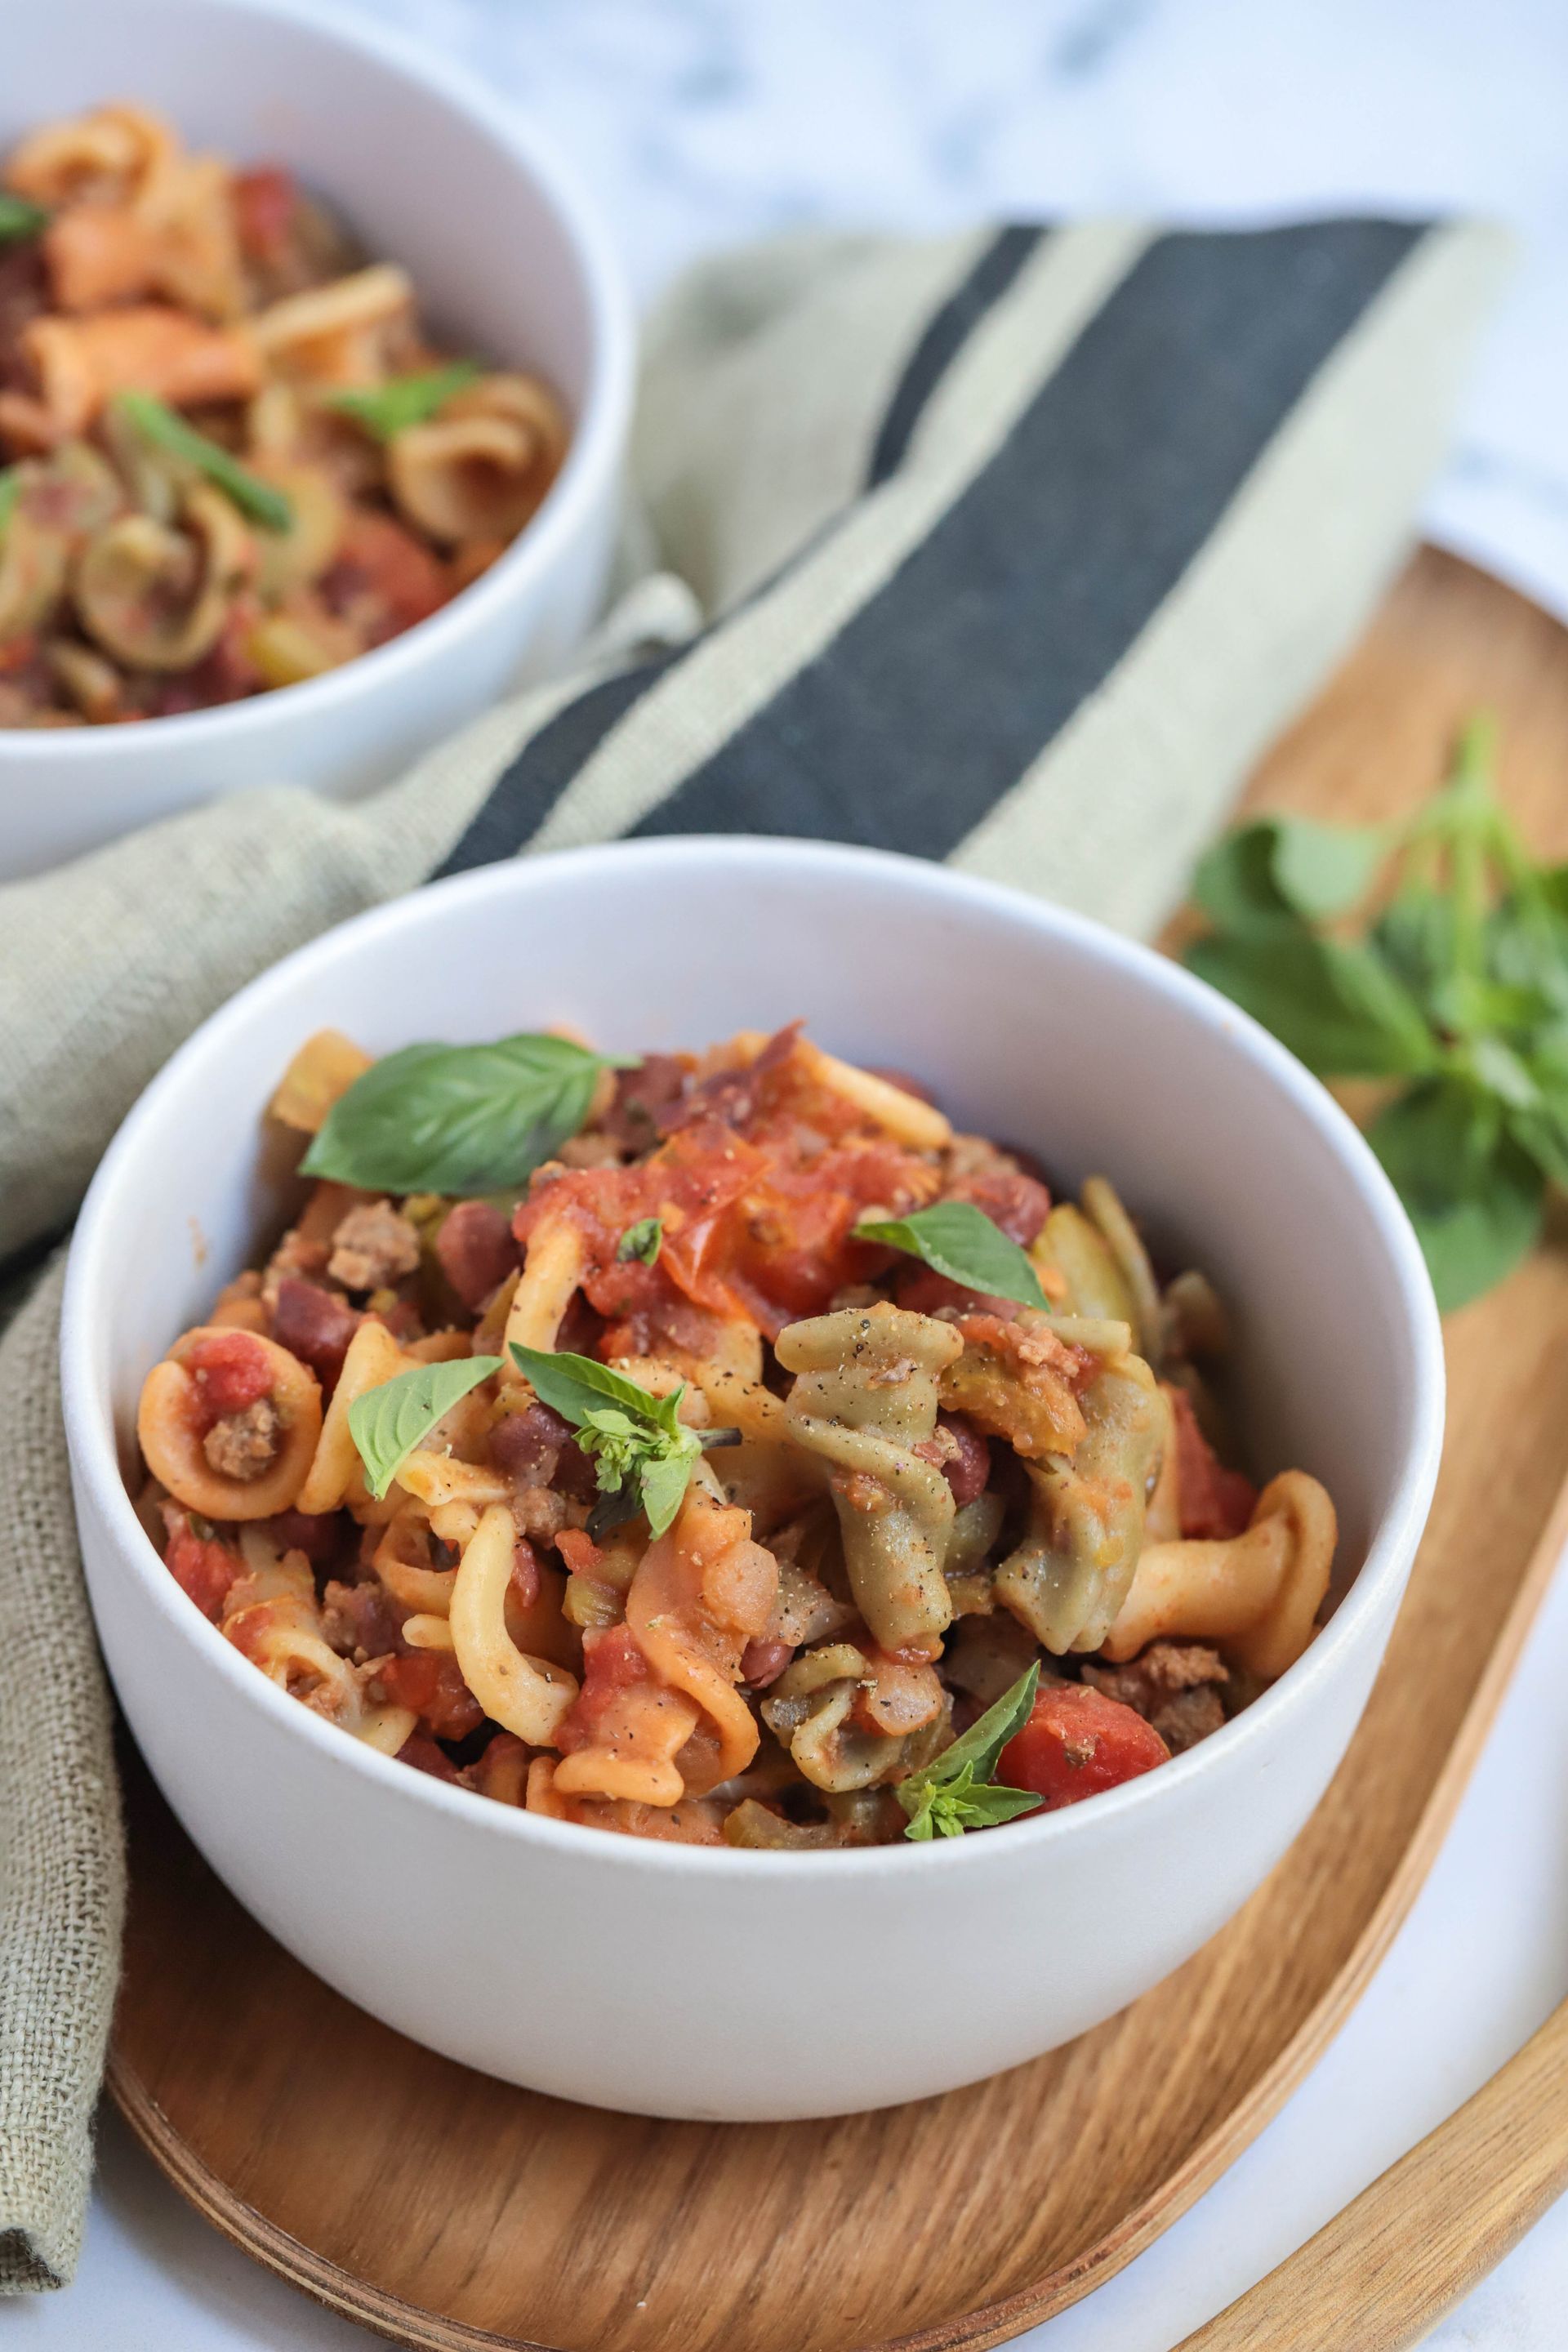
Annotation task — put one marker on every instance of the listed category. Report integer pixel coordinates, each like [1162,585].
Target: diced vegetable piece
[1078,1742]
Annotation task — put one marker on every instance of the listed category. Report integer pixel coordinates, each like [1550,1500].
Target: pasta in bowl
[235,460]
[223,291]
[738,1455]
[693,1974]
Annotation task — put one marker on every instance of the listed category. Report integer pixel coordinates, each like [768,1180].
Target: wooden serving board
[447,2211]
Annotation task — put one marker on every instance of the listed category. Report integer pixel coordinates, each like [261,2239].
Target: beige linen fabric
[844,455]
[61,1867]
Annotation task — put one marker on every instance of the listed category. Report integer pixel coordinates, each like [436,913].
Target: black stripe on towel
[937,695]
[945,336]
[526,789]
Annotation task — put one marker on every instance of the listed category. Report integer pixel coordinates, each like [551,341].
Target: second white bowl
[508,261]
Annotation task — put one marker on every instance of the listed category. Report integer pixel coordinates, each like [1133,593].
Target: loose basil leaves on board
[955,1238]
[462,1120]
[642,1451]
[387,1422]
[1432,955]
[955,1792]
[166,429]
[405,400]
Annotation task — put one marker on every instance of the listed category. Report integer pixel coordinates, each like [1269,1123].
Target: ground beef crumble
[242,1445]
[1175,1685]
[372,1248]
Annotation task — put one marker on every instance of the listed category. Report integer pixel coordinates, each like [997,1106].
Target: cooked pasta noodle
[1071,1574]
[249,1461]
[528,1695]
[885,1495]
[1256,1594]
[864,1398]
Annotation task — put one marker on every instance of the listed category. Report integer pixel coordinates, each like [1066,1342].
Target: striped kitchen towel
[1008,549]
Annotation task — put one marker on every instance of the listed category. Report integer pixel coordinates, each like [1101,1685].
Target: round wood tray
[448,2210]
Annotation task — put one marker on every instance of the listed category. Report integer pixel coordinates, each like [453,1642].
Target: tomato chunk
[1215,1502]
[200,1566]
[264,203]
[611,1663]
[431,1683]
[231,1370]
[1078,1742]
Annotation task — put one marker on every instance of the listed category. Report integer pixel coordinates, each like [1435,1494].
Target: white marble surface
[699,122]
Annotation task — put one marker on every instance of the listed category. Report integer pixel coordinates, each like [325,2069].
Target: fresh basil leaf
[611,1511]
[1267,876]
[639,1440]
[458,1119]
[991,1803]
[951,1792]
[576,1386]
[1235,884]
[1337,1005]
[967,1803]
[19,219]
[960,1241]
[392,407]
[1502,1073]
[644,1240]
[166,429]
[663,1482]
[387,1422]
[1465,1003]
[1542,1136]
[10,491]
[1473,1194]
[1527,945]
[1414,936]
[987,1736]
[1322,869]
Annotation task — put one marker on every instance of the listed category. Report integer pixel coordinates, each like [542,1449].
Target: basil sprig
[10,491]
[19,219]
[462,1120]
[954,1792]
[166,429]
[1452,983]
[643,1453]
[955,1238]
[644,1240]
[387,1422]
[385,409]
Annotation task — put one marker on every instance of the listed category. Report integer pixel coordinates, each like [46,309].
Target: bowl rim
[91,1440]
[593,454]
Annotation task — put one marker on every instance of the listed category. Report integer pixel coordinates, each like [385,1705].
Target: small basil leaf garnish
[166,429]
[956,1239]
[640,1444]
[387,1422]
[644,1240]
[405,400]
[953,1792]
[458,1119]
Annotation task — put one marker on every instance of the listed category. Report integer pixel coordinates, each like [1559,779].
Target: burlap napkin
[1011,548]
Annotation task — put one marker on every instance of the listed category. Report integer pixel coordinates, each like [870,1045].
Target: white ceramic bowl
[507,259]
[688,1981]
